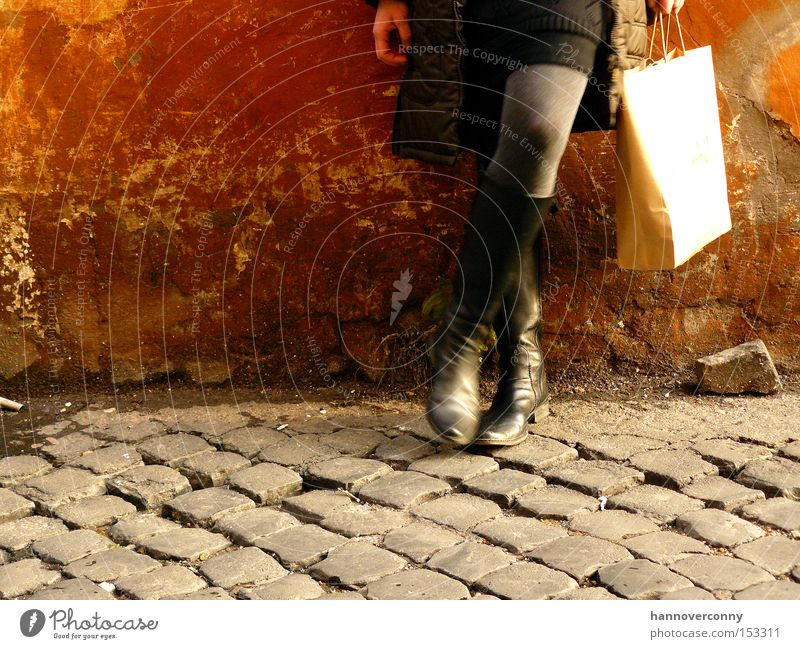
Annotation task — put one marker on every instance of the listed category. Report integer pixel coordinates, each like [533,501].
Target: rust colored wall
[204,188]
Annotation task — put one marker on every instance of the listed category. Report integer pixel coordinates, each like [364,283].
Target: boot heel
[540,412]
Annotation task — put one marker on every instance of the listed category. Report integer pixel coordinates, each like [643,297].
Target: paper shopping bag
[671,189]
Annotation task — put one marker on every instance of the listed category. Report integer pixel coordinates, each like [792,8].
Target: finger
[404,30]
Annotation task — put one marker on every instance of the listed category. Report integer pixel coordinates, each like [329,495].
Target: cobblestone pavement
[684,498]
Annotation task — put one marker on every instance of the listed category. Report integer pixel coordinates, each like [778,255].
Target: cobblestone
[298,452]
[173,450]
[13,506]
[402,451]
[692,593]
[266,483]
[777,512]
[417,584]
[715,572]
[165,582]
[249,442]
[245,566]
[454,467]
[729,455]
[403,489]
[346,473]
[70,447]
[25,576]
[356,443]
[95,511]
[110,565]
[745,368]
[617,447]
[640,579]
[777,590]
[579,556]
[19,534]
[246,527]
[525,580]
[459,511]
[77,589]
[300,546]
[775,554]
[792,451]
[419,541]
[612,525]
[657,503]
[587,593]
[721,493]
[365,521]
[109,460]
[554,501]
[595,477]
[356,564]
[665,546]
[61,486]
[672,468]
[291,586]
[718,528]
[139,527]
[469,561]
[184,544]
[130,431]
[504,486]
[69,547]
[149,487]
[535,454]
[776,476]
[205,506]
[517,533]
[212,469]
[15,469]
[214,593]
[316,505]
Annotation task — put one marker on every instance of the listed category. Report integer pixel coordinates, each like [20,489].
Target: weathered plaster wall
[203,187]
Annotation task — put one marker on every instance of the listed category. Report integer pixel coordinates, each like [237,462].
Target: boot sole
[540,412]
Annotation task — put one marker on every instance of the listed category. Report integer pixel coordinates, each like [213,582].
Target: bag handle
[664,37]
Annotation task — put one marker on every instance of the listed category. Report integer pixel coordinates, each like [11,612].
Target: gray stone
[184,544]
[70,447]
[77,589]
[554,501]
[214,593]
[59,487]
[95,511]
[139,527]
[110,565]
[19,534]
[349,473]
[419,541]
[205,506]
[525,580]
[311,424]
[15,469]
[665,547]
[403,450]
[579,556]
[469,561]
[130,431]
[618,448]
[404,489]
[692,593]
[591,593]
[166,582]
[247,526]
[267,484]
[595,477]
[301,545]
[459,511]
[672,468]
[718,528]
[316,505]
[212,469]
[242,567]
[728,455]
[417,584]
[365,521]
[777,476]
[299,451]
[745,368]
[640,579]
[454,467]
[777,512]
[657,503]
[108,460]
[342,594]
[291,586]
[355,443]
[25,576]
[504,486]
[149,487]
[771,590]
[775,554]
[612,525]
[535,454]
[13,506]
[792,451]
[356,564]
[721,493]
[173,450]
[517,533]
[69,547]
[715,572]
[250,441]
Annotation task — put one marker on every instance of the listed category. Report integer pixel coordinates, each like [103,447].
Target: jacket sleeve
[374,3]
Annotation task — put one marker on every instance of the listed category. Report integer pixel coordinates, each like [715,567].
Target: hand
[665,6]
[391,15]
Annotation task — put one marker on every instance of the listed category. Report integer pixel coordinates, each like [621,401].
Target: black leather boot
[522,389]
[503,222]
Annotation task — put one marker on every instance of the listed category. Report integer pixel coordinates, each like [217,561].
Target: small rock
[745,368]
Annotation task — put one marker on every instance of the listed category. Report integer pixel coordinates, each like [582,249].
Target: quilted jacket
[432,89]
